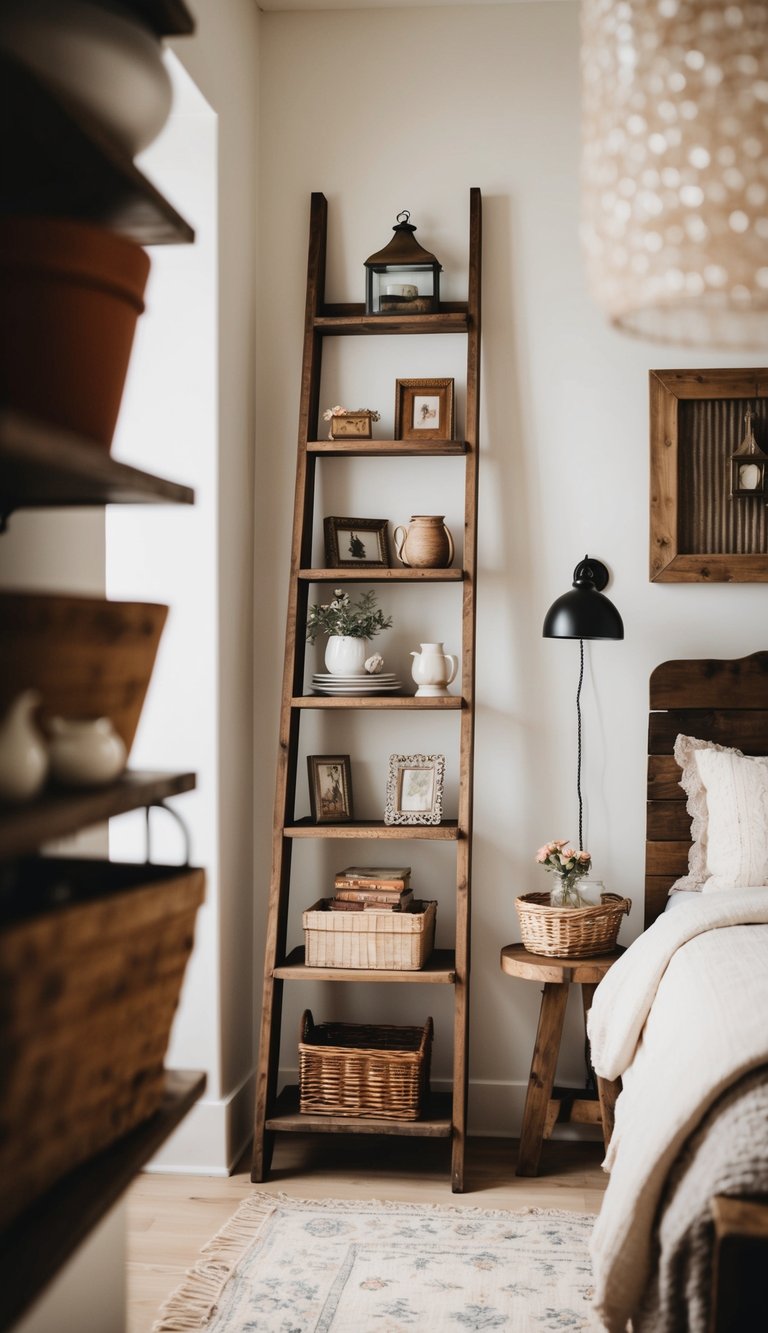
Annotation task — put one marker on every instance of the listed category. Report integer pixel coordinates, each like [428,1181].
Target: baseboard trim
[211,1140]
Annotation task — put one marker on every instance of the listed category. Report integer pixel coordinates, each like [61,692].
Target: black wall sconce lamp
[583,613]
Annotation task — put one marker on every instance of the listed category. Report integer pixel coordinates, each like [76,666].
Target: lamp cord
[578,748]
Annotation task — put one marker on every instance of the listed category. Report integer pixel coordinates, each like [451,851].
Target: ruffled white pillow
[685,751]
[737,827]
[727,795]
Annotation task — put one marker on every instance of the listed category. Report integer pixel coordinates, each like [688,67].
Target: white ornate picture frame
[415,789]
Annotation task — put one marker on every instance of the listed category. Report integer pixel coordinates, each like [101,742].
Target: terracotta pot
[426,544]
[71,296]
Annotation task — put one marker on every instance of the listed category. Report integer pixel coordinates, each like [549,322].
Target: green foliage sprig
[358,620]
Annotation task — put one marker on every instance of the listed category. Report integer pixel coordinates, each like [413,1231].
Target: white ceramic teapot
[433,669]
[85,752]
[23,754]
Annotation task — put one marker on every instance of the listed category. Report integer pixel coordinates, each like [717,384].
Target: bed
[681,1242]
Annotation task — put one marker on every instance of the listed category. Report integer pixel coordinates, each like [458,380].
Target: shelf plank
[56,814]
[447,703]
[434,1124]
[39,1242]
[44,466]
[387,448]
[352,319]
[448,831]
[59,162]
[439,969]
[382,575]
[168,18]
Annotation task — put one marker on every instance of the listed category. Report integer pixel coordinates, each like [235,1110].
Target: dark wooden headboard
[718,701]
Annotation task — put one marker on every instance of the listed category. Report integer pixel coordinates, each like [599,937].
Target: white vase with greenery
[349,626]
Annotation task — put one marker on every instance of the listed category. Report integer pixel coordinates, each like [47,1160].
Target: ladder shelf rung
[447,831]
[439,969]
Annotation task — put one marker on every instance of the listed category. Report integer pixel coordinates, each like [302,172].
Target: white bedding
[679,1017]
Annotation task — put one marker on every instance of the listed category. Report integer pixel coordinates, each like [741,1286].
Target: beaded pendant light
[675,167]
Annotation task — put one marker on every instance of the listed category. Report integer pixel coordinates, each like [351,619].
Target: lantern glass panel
[402,289]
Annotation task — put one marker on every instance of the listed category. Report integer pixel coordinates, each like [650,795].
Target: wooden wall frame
[682,523]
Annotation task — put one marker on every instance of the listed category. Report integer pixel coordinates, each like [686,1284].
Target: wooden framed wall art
[701,532]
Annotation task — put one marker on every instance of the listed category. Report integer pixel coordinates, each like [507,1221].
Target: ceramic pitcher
[433,669]
[23,754]
[426,544]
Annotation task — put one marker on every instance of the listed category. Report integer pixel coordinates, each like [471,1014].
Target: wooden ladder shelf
[444,1116]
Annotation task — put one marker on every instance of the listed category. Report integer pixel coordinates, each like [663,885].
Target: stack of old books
[372,889]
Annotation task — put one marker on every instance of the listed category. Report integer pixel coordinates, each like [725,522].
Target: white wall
[392,109]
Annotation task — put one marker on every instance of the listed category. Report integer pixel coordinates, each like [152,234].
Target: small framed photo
[415,789]
[330,788]
[424,410]
[350,542]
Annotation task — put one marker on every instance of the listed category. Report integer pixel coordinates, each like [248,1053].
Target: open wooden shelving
[350,320]
[57,813]
[439,969]
[42,466]
[381,575]
[447,831]
[434,1123]
[381,702]
[42,1239]
[58,161]
[276,1111]
[387,449]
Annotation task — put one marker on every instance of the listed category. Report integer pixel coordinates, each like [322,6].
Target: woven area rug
[284,1265]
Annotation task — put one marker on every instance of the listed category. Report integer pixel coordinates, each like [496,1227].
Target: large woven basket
[358,1069]
[570,932]
[400,941]
[88,990]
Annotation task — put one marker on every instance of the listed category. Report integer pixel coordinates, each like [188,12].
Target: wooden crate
[377,941]
[361,1069]
[92,956]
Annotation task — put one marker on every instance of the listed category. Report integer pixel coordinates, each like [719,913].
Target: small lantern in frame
[403,278]
[748,464]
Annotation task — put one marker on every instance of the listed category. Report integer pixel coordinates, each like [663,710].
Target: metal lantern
[403,278]
[748,464]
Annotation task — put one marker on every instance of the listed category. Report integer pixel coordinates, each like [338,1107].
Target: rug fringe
[191,1305]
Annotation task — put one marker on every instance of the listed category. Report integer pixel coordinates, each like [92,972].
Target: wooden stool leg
[542,1077]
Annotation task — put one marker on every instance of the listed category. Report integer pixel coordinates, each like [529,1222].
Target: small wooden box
[92,957]
[378,941]
[351,426]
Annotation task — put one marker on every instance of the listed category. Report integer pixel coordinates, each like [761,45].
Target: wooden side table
[545,1104]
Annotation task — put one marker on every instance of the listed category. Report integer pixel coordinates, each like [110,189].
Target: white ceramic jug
[433,669]
[23,754]
[85,752]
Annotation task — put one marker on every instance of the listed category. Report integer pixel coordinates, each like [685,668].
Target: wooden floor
[171,1217]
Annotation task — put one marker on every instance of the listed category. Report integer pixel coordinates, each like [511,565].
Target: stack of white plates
[385,683]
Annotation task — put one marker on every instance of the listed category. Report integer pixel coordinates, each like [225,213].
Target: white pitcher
[85,752]
[23,753]
[433,669]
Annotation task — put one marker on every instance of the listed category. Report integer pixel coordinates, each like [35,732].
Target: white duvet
[679,1017]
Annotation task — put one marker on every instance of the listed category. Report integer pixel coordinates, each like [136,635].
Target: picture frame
[415,789]
[698,532]
[352,543]
[330,788]
[424,409]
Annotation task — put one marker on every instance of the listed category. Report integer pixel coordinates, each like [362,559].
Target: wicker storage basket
[356,1069]
[88,990]
[400,941]
[570,932]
